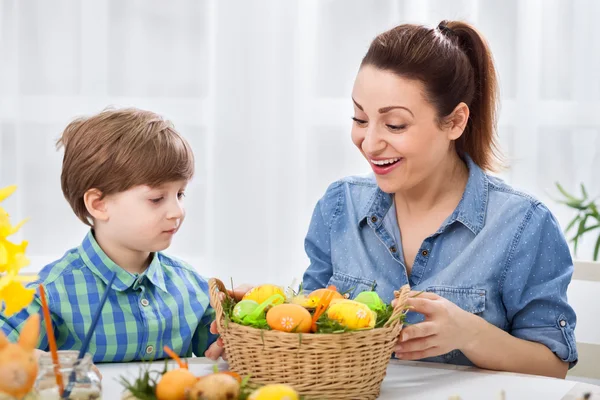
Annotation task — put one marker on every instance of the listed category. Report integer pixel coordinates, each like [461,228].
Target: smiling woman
[493,261]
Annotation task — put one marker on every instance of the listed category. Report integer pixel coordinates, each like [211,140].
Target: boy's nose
[176,210]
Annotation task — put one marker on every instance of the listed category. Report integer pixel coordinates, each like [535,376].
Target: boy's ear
[30,333]
[95,203]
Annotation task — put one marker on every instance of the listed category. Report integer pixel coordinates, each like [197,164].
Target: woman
[493,262]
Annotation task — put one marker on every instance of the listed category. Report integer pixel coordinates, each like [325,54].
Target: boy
[124,174]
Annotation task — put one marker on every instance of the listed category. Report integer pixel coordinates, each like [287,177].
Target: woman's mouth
[385,166]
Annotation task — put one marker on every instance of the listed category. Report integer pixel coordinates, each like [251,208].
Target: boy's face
[145,218]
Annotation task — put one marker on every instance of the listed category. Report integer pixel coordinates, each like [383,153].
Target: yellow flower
[13,294]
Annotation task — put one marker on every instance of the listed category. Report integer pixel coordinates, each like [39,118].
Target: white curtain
[261,89]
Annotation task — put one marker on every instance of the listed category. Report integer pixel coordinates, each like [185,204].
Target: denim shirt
[500,255]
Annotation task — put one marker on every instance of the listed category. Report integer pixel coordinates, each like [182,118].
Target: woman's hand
[445,328]
[216,349]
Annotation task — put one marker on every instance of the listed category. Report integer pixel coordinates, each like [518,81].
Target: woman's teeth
[385,162]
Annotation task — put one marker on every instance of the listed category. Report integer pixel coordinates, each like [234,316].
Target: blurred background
[261,89]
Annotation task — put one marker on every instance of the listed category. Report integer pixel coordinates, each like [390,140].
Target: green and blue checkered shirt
[168,304]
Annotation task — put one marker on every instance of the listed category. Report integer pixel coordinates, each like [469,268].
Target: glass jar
[86,381]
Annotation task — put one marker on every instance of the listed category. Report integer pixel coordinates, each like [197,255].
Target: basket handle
[216,287]
[400,307]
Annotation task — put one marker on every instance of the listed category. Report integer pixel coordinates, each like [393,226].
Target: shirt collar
[470,210]
[103,267]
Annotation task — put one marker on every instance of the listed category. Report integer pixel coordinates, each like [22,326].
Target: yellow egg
[263,292]
[274,392]
[352,314]
[301,300]
[289,318]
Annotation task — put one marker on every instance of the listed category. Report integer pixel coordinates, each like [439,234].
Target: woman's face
[397,129]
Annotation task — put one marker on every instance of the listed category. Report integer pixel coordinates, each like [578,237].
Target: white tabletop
[413,380]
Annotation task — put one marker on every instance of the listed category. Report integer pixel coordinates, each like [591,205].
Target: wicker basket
[348,365]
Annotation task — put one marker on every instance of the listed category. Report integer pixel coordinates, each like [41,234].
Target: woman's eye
[157,200]
[359,122]
[180,195]
[396,127]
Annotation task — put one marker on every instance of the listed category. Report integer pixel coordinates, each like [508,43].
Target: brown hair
[455,65]
[117,149]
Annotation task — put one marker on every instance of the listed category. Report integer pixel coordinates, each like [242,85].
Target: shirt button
[150,349]
[563,323]
[145,302]
[393,249]
[373,219]
[424,253]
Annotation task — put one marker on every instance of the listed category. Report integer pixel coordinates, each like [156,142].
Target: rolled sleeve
[535,283]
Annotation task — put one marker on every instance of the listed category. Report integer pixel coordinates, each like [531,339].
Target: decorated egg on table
[289,318]
[274,392]
[174,384]
[371,299]
[352,314]
[263,292]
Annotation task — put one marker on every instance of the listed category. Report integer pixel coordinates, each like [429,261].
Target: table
[411,380]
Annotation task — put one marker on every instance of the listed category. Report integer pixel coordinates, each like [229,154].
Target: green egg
[371,299]
[243,309]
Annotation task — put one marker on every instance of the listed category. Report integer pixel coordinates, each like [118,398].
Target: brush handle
[86,343]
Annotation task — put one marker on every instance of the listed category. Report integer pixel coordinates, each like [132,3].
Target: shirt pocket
[350,285]
[469,299]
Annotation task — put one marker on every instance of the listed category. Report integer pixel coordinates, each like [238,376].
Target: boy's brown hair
[118,149]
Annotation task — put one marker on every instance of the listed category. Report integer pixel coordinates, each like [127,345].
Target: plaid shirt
[168,304]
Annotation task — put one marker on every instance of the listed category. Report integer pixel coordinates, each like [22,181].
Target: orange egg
[174,383]
[316,295]
[289,318]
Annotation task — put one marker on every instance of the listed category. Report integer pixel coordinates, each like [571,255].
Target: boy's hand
[216,349]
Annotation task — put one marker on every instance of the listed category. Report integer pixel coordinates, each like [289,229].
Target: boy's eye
[157,200]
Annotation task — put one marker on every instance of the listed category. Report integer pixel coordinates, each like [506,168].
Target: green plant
[586,220]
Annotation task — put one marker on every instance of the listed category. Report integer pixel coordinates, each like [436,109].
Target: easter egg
[242,310]
[371,299]
[263,292]
[316,295]
[274,392]
[352,314]
[302,300]
[289,318]
[174,384]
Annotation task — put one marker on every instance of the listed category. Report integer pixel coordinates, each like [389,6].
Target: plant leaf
[573,221]
[584,192]
[590,228]
[564,192]
[597,249]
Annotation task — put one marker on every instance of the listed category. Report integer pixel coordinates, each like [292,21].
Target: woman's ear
[95,203]
[457,121]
